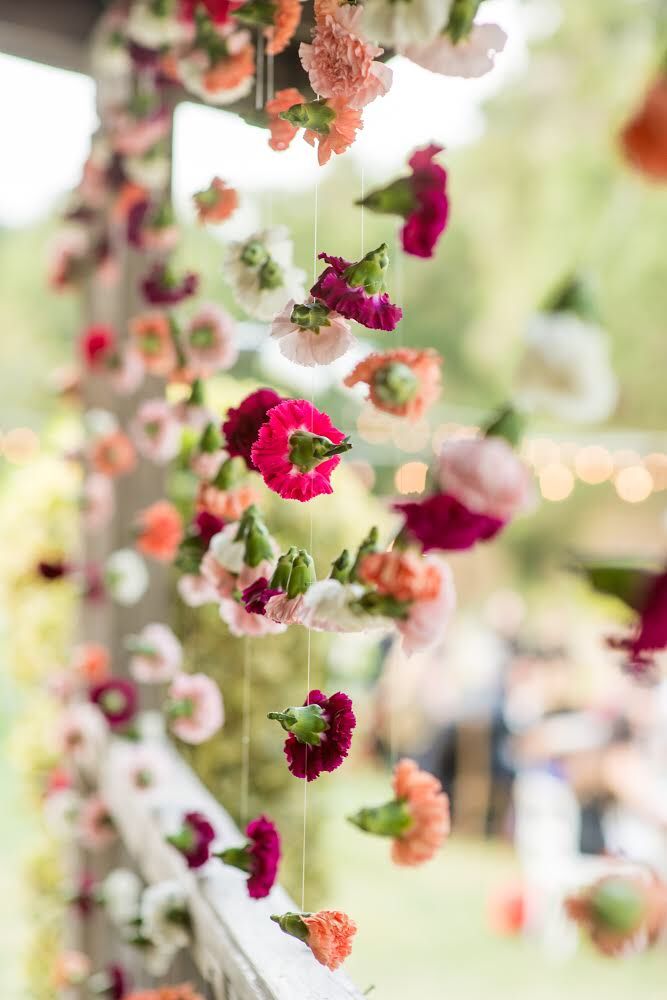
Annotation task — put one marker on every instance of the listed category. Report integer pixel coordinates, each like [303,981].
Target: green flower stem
[183,840]
[392,819]
[507,424]
[461,19]
[306,722]
[211,439]
[292,924]
[238,857]
[394,199]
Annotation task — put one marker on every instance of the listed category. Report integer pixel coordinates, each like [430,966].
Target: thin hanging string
[270,94]
[363,211]
[259,72]
[309,647]
[245,731]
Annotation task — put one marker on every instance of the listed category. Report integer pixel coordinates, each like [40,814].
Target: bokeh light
[556,481]
[411,477]
[633,483]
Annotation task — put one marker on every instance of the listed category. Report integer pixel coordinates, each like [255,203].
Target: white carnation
[396,23]
[262,273]
[164,915]
[121,892]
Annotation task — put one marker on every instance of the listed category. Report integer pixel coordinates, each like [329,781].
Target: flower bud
[229,473]
[281,574]
[302,575]
[340,568]
[211,439]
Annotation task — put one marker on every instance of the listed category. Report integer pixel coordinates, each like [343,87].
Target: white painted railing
[238,951]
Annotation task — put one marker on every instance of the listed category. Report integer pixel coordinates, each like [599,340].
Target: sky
[47,116]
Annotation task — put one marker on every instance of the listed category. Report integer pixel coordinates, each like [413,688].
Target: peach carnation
[429,809]
[160,531]
[217,202]
[226,504]
[286,20]
[404,382]
[402,575]
[341,134]
[91,662]
[282,132]
[113,455]
[152,337]
[330,934]
[341,63]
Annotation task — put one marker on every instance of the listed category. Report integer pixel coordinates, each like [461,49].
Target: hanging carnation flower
[97,502]
[465,48]
[320,733]
[279,20]
[209,342]
[262,273]
[96,345]
[194,839]
[156,431]
[297,449]
[216,203]
[220,68]
[311,334]
[125,577]
[126,371]
[95,826]
[328,934]
[330,125]
[487,476]
[283,598]
[159,531]
[399,24]
[113,455]
[441,522]
[644,138]
[341,63]
[226,505]
[153,339]
[404,382]
[420,199]
[644,592]
[282,131]
[427,617]
[417,819]
[243,422]
[259,857]
[162,288]
[165,918]
[357,291]
[156,654]
[401,574]
[623,914]
[91,662]
[157,25]
[194,708]
[111,982]
[116,699]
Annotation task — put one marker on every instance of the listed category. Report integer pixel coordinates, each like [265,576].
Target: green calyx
[572,295]
[202,336]
[310,316]
[307,451]
[306,722]
[392,819]
[237,857]
[254,254]
[211,439]
[508,424]
[261,12]
[395,383]
[183,840]
[370,271]
[394,199]
[369,544]
[258,546]
[113,701]
[316,116]
[281,574]
[619,904]
[461,19]
[302,575]
[341,567]
[372,603]
[208,198]
[181,709]
[197,393]
[292,924]
[271,275]
[230,472]
[138,648]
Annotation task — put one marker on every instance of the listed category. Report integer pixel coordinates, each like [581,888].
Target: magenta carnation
[427,221]
[650,633]
[118,982]
[306,761]
[194,839]
[244,421]
[441,522]
[116,698]
[356,290]
[161,288]
[297,449]
[206,525]
[257,595]
[264,853]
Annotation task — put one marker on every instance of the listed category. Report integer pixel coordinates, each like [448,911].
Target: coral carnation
[428,807]
[113,454]
[282,131]
[216,203]
[644,138]
[402,575]
[328,934]
[152,338]
[404,382]
[160,530]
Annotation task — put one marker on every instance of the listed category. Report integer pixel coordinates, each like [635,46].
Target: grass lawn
[423,933]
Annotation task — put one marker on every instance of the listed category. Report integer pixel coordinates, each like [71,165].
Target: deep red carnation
[650,632]
[244,421]
[116,698]
[96,345]
[84,899]
[256,596]
[54,570]
[427,221]
[375,312]
[160,288]
[206,525]
[308,762]
[201,835]
[118,980]
[264,851]
[218,10]
[441,522]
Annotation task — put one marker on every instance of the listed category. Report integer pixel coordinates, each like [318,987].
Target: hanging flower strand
[258,858]
[320,733]
[328,934]
[358,290]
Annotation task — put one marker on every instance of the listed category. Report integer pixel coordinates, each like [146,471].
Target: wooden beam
[54,32]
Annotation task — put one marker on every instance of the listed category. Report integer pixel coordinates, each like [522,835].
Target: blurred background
[550,754]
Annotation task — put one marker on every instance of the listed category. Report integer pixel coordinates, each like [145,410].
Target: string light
[593,464]
[656,463]
[556,482]
[633,483]
[411,477]
[625,457]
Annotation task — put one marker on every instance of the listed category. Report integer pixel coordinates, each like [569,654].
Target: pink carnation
[195,708]
[286,610]
[374,311]
[342,63]
[156,654]
[195,590]
[95,826]
[428,219]
[156,432]
[311,345]
[221,582]
[97,502]
[241,622]
[297,450]
[209,342]
[427,619]
[487,476]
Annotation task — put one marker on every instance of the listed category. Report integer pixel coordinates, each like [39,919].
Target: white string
[259,72]
[392,707]
[245,733]
[363,211]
